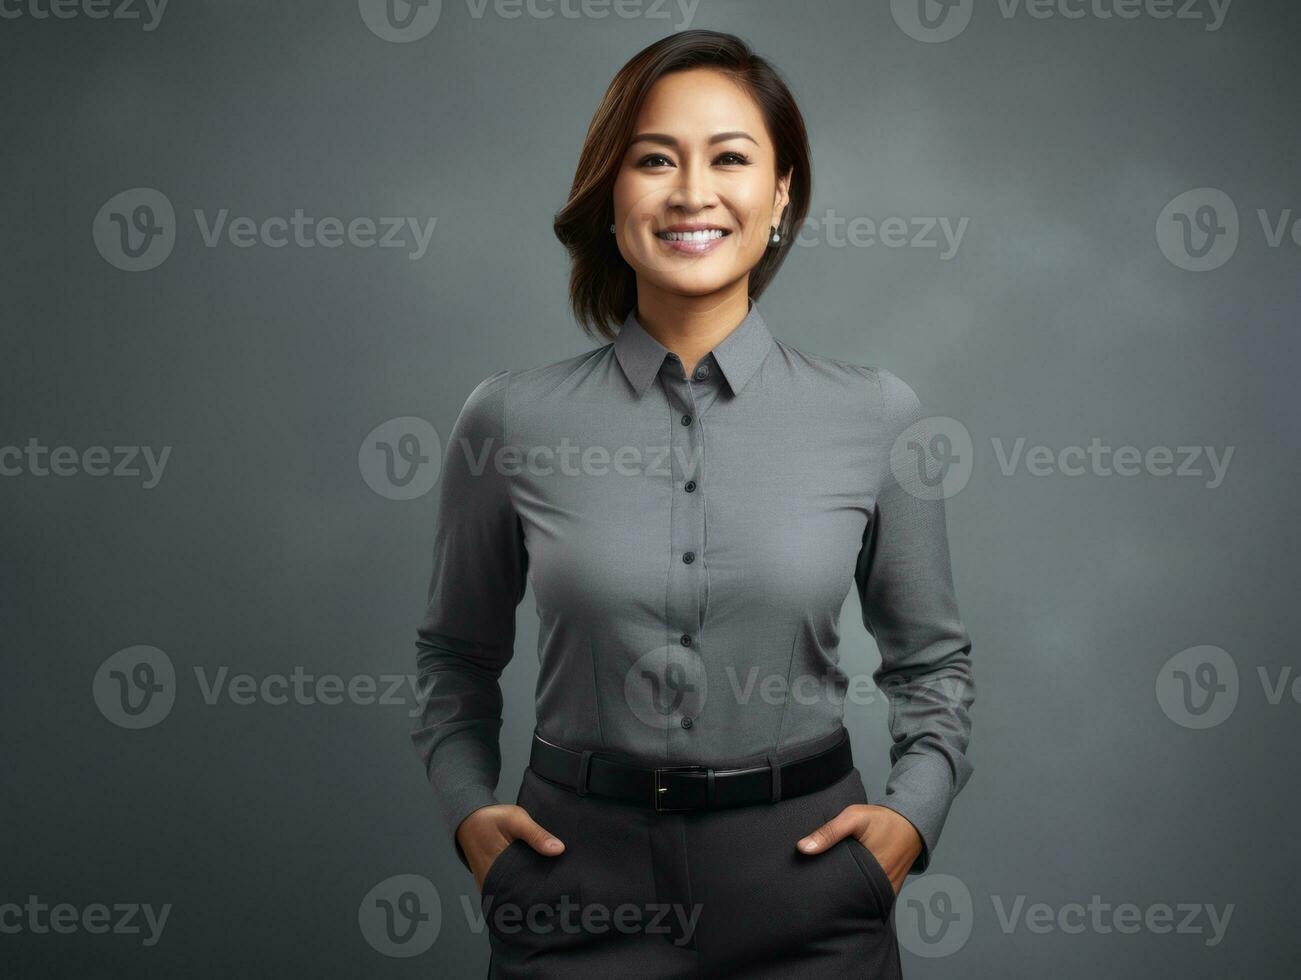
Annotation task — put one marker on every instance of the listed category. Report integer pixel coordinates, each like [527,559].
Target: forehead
[699,102]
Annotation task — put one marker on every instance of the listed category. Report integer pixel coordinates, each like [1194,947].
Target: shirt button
[686,639]
[689,557]
[702,371]
[686,722]
[690,486]
[686,420]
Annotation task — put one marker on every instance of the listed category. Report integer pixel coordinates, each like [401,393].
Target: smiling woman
[716,150]
[691,805]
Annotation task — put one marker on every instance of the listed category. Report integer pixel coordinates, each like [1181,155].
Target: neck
[692,326]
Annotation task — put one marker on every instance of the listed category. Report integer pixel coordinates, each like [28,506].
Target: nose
[692,190]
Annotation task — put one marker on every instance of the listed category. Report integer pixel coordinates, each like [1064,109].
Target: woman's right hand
[488,831]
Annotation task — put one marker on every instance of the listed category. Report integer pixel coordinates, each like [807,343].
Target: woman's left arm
[905,584]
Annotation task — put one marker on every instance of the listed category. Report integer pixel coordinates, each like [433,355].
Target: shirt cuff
[923,796]
[924,858]
[458,804]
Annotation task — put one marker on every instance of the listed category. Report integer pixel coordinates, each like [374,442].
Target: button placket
[686,579]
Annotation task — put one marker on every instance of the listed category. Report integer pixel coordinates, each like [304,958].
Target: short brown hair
[602,285]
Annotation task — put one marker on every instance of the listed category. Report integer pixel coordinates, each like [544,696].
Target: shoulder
[485,406]
[882,391]
[528,383]
[898,399]
[501,396]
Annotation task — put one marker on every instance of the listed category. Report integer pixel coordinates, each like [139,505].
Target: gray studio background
[269,544]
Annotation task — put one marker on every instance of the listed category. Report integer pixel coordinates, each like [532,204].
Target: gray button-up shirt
[691,542]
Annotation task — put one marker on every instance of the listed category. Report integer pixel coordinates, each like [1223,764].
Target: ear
[781,197]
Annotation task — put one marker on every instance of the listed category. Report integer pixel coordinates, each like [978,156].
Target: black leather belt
[675,788]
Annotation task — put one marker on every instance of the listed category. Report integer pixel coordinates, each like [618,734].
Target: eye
[728,158]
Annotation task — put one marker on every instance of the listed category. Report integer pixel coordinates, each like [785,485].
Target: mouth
[692,240]
[692,234]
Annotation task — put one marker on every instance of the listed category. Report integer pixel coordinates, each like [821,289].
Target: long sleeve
[905,584]
[467,635]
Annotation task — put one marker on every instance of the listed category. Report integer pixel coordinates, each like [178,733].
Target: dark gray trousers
[638,894]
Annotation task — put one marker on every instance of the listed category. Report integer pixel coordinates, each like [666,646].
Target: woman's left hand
[888,834]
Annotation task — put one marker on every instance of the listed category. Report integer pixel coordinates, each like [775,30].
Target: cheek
[624,194]
[754,203]
[637,199]
[756,228]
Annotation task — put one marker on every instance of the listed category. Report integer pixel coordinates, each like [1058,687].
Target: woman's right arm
[467,635]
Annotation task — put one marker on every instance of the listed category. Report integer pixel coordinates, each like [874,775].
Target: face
[697,196]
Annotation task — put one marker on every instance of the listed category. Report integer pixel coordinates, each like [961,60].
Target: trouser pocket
[874,873]
[529,897]
[879,893]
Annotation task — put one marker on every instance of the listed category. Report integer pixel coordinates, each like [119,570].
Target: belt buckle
[661,789]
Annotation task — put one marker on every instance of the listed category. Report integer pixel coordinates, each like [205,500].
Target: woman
[691,502]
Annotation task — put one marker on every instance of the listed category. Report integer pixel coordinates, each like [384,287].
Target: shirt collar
[739,354]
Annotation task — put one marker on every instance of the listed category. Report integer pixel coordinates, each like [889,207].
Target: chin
[694,283]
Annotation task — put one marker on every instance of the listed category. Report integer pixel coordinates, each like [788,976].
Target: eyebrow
[667,140]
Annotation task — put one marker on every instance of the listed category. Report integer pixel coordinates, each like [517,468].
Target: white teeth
[692,236]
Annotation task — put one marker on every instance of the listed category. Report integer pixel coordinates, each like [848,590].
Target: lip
[694,248]
[694,226]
